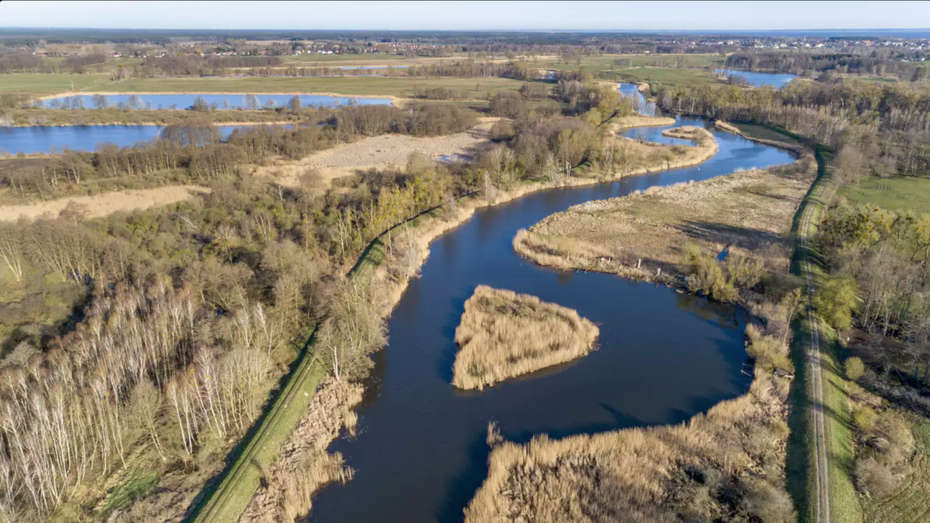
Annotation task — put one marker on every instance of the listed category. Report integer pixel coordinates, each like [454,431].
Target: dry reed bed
[643,235]
[728,462]
[304,466]
[389,151]
[628,122]
[504,334]
[689,132]
[104,203]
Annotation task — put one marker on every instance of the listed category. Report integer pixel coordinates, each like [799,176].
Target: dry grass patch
[726,465]
[104,203]
[637,120]
[644,235]
[690,132]
[390,151]
[504,334]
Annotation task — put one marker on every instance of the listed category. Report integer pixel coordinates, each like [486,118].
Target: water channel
[420,453]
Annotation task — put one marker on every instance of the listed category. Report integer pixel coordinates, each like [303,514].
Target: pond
[776,80]
[217,101]
[34,140]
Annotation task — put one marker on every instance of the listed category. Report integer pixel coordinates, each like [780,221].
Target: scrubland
[504,334]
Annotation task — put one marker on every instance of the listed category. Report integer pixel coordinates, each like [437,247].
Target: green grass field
[42,84]
[901,193]
[762,132]
[667,76]
[366,85]
[619,61]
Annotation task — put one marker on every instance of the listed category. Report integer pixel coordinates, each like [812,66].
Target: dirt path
[105,203]
[385,151]
[822,502]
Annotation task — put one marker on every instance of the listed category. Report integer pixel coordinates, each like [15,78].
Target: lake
[219,101]
[776,80]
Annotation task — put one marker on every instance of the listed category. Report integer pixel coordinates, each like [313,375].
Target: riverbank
[378,267]
[711,465]
[731,460]
[642,236]
[782,141]
[629,122]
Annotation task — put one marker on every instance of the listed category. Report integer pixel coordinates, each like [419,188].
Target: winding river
[420,453]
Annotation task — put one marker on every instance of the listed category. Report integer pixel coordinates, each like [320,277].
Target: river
[662,357]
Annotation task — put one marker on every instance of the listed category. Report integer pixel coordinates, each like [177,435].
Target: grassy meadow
[667,76]
[359,86]
[899,193]
[45,84]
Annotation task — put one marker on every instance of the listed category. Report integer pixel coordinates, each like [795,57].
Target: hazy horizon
[633,17]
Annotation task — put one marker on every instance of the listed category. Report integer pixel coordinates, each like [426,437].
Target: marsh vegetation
[504,334]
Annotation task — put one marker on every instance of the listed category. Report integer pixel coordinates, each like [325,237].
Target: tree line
[880,129]
[841,63]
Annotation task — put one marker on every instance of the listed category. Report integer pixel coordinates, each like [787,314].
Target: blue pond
[220,101]
[30,140]
[776,80]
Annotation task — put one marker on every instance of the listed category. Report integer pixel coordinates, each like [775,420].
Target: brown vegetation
[102,204]
[644,235]
[304,466]
[726,465]
[389,151]
[504,334]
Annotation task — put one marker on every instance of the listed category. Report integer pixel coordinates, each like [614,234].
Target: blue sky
[469,15]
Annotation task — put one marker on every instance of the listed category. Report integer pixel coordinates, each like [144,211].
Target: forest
[181,319]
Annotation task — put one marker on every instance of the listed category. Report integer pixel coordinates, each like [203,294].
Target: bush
[864,418]
[769,352]
[836,300]
[874,478]
[506,103]
[854,368]
[706,276]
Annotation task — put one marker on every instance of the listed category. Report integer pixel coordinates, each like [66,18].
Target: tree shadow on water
[463,486]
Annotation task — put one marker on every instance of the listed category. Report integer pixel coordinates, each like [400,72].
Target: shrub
[854,368]
[864,418]
[836,300]
[769,352]
[874,478]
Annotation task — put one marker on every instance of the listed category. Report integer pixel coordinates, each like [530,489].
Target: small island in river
[504,334]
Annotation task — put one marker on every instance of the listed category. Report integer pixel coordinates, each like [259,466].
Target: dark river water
[420,453]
